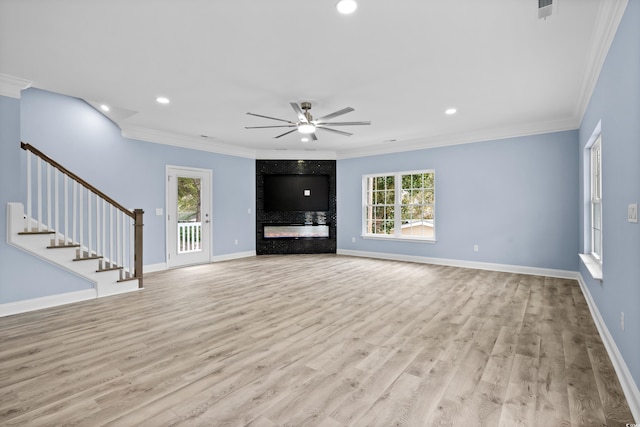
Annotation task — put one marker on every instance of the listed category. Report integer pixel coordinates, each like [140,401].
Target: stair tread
[85,258]
[127,279]
[70,245]
[100,270]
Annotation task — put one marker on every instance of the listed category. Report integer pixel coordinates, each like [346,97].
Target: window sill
[398,239]
[594,267]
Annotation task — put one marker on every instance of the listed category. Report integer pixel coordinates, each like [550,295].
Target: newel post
[138,244]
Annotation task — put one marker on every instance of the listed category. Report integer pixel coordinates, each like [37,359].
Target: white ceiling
[399,63]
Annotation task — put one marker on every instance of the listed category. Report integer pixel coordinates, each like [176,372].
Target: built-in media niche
[295,206]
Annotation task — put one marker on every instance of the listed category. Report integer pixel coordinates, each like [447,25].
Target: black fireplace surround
[295,231]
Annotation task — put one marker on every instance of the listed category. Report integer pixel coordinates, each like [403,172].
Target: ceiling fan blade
[286,133]
[299,112]
[335,114]
[344,123]
[313,136]
[334,131]
[265,127]
[272,118]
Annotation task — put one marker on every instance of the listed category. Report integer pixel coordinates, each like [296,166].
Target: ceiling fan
[306,124]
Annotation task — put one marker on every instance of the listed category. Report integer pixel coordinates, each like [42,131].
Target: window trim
[593,262]
[595,202]
[397,207]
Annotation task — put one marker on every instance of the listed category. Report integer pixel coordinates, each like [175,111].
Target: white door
[188,216]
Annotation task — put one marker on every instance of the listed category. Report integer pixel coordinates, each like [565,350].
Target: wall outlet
[475,248]
[159,212]
[236,241]
[249,210]
[353,240]
[622,320]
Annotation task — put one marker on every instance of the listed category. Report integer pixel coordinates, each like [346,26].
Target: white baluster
[56,201]
[66,209]
[74,213]
[89,223]
[111,260]
[29,195]
[131,247]
[98,228]
[123,244]
[81,219]
[118,257]
[104,229]
[49,197]
[39,193]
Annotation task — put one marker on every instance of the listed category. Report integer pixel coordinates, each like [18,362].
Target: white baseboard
[630,388]
[17,307]
[506,268]
[152,268]
[236,255]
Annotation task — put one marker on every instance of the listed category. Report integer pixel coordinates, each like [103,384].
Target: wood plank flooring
[314,340]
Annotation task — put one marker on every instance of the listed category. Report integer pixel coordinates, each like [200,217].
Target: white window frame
[593,237]
[397,207]
[595,204]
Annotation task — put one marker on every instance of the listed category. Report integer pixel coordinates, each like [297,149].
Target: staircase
[71,224]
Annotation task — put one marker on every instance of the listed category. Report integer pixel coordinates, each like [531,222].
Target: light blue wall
[616,103]
[130,171]
[514,198]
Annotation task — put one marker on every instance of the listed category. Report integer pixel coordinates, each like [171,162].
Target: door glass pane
[189,215]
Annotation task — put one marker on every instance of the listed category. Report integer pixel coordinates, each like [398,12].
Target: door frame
[207,207]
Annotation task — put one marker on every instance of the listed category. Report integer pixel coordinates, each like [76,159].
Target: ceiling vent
[544,8]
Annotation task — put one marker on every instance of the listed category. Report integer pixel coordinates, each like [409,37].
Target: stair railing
[79,215]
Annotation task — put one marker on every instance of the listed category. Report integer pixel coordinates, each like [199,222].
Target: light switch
[632,212]
[158,211]
[307,193]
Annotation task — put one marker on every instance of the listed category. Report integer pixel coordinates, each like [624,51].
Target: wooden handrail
[29,147]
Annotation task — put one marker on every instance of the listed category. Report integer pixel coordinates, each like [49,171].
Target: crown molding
[610,14]
[12,86]
[185,141]
[484,135]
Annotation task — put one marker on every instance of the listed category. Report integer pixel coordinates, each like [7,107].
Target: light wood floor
[314,340]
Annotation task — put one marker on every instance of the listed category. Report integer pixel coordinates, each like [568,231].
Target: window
[596,200]
[400,205]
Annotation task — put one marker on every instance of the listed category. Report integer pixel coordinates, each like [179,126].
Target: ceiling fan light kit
[306,124]
[306,128]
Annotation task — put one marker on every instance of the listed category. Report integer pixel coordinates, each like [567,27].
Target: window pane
[378,197]
[597,220]
[428,196]
[428,212]
[390,197]
[416,213]
[189,215]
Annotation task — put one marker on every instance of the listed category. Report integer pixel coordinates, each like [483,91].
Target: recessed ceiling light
[346,6]
[105,108]
[162,100]
[450,111]
[305,140]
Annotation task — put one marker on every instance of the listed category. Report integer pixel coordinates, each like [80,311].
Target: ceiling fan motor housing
[306,106]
